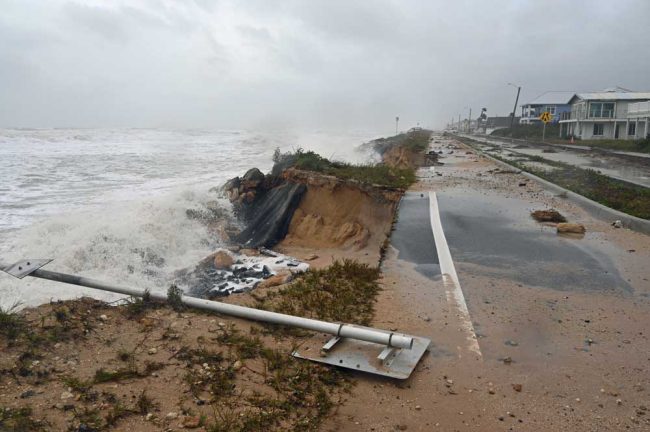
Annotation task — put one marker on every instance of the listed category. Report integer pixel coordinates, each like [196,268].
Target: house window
[599,129]
[551,109]
[631,129]
[601,110]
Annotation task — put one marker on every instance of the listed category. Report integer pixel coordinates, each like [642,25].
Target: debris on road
[551,215]
[571,228]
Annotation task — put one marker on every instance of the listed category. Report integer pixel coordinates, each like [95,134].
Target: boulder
[571,228]
[223,260]
[253,177]
[275,280]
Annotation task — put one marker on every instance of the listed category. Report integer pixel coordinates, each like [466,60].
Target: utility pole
[469,122]
[514,110]
[458,123]
[396,124]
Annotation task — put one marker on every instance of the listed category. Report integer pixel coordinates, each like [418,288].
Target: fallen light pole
[408,349]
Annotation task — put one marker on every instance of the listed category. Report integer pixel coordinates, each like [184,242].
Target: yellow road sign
[546,117]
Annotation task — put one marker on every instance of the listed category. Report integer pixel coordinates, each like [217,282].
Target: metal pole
[337,329]
[469,122]
[544,132]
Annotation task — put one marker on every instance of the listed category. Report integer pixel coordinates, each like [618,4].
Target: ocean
[102,202]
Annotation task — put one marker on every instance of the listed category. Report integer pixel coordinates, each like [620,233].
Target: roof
[553,98]
[616,93]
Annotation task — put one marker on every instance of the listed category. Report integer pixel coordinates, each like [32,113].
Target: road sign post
[545,118]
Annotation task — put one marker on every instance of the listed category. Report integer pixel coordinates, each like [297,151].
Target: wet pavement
[413,237]
[499,237]
[630,167]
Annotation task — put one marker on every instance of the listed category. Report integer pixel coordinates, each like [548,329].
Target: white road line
[449,276]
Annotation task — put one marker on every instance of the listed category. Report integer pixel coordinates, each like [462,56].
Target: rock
[418,407]
[548,216]
[103,317]
[171,415]
[191,422]
[617,224]
[66,395]
[250,252]
[27,394]
[275,280]
[511,343]
[237,365]
[252,178]
[572,228]
[311,257]
[507,360]
[149,417]
[223,260]
[152,351]
[517,387]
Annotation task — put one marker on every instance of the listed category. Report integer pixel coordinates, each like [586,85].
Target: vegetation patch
[345,291]
[372,174]
[415,140]
[231,378]
[19,420]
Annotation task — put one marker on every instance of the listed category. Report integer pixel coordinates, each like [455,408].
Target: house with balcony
[610,114]
[554,102]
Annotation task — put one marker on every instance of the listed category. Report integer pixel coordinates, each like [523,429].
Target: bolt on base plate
[25,267]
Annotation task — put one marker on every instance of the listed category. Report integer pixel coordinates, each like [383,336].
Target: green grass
[344,291]
[534,131]
[12,324]
[373,174]
[19,420]
[417,141]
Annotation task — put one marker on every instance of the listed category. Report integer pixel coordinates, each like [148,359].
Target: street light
[514,110]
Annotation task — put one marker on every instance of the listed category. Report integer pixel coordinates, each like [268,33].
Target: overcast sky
[305,64]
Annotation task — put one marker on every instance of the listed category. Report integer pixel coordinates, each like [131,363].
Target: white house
[610,114]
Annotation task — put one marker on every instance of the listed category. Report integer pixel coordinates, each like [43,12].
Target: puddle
[413,237]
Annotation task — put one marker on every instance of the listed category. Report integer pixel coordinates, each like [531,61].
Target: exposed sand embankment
[344,218]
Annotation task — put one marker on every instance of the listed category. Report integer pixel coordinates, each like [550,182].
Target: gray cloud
[322,64]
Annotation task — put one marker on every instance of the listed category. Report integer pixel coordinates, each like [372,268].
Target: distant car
[415,129]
